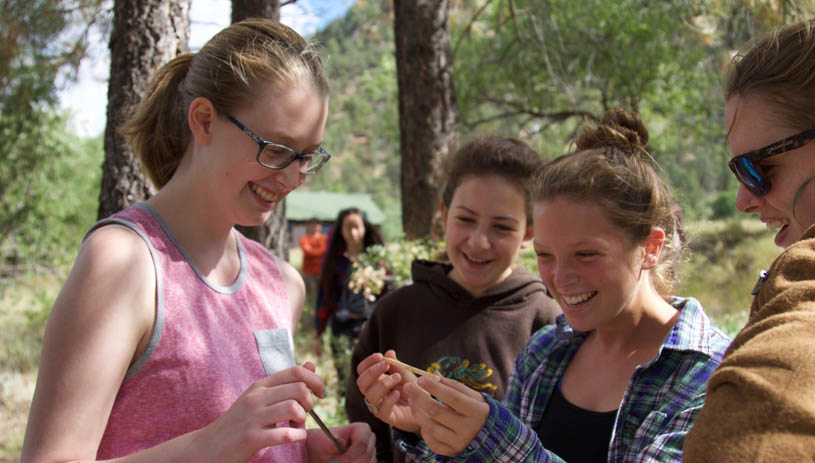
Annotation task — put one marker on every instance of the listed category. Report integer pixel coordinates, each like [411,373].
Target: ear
[653,248]
[200,117]
[528,235]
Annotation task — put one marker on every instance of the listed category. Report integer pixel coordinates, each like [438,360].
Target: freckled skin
[484,228]
[580,252]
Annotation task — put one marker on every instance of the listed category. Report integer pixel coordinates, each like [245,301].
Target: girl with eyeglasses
[759,405]
[171,339]
[621,375]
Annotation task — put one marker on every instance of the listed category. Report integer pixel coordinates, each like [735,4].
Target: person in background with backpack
[338,304]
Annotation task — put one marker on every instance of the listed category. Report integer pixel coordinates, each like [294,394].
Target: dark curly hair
[337,247]
[509,158]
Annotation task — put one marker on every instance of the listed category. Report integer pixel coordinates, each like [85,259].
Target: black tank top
[575,434]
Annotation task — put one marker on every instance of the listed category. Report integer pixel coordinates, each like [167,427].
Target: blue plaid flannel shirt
[657,409]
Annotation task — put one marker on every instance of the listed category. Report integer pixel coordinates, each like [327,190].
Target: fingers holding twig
[410,368]
[448,413]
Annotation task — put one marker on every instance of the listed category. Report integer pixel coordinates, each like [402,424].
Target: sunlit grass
[25,304]
[726,260]
[331,409]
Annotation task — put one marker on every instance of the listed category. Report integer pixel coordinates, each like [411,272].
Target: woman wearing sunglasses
[759,404]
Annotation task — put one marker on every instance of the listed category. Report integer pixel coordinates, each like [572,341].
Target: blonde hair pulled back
[612,168]
[229,70]
[779,66]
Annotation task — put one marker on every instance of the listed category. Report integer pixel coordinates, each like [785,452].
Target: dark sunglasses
[748,170]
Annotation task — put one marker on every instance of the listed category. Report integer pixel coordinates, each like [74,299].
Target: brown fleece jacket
[436,325]
[760,404]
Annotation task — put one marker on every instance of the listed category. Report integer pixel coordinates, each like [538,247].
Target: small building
[302,206]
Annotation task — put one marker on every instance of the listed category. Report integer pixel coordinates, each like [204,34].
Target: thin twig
[412,369]
[322,426]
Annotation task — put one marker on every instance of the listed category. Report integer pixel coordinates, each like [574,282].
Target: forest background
[536,70]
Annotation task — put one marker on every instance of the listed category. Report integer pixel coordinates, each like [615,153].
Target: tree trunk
[427,107]
[243,9]
[145,35]
[273,233]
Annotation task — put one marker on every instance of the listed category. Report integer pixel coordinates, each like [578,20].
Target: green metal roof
[325,205]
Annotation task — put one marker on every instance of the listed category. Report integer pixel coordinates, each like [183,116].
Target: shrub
[389,264]
[722,206]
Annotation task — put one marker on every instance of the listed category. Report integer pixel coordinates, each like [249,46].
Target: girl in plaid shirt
[622,375]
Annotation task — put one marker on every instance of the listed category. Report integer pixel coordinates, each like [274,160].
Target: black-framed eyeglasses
[276,156]
[748,170]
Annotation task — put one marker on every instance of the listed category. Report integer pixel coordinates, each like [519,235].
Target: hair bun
[618,128]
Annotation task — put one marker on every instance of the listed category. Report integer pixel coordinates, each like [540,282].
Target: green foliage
[363,127]
[722,206]
[26,311]
[537,70]
[540,69]
[46,177]
[49,183]
[392,206]
[390,264]
[535,59]
[725,262]
[29,61]
[43,42]
[527,259]
[731,323]
[331,409]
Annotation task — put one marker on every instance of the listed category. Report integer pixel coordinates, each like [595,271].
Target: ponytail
[157,130]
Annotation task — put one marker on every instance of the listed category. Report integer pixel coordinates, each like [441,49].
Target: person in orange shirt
[313,244]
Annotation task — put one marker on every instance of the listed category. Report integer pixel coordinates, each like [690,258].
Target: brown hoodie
[760,404]
[435,324]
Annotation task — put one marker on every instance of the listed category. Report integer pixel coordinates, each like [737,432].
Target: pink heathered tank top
[209,344]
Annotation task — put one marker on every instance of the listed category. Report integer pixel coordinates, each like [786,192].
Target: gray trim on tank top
[159,323]
[234,287]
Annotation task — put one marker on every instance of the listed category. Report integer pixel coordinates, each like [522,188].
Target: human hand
[382,391]
[448,426]
[317,346]
[357,438]
[250,424]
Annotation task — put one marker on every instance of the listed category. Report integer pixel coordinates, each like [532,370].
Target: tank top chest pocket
[276,349]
